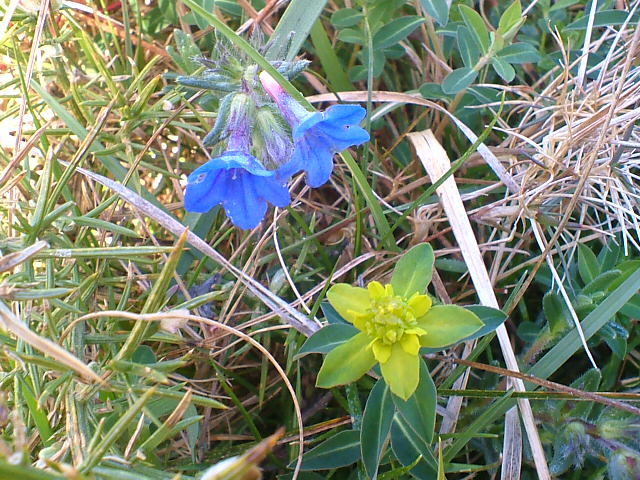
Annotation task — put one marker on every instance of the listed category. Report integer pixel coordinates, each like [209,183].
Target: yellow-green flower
[393,328]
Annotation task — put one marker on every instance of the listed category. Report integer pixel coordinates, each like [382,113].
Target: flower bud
[612,429]
[271,139]
[240,121]
[624,465]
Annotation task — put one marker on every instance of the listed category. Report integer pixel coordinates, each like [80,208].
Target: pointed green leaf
[340,450]
[603,18]
[396,30]
[447,324]
[488,416]
[346,17]
[504,69]
[555,312]
[589,382]
[347,299]
[438,9]
[476,24]
[401,372]
[510,21]
[587,263]
[327,338]
[376,425]
[413,271]
[408,447]
[458,80]
[469,49]
[609,255]
[331,315]
[519,53]
[346,363]
[419,410]
[571,343]
[441,475]
[602,282]
[293,29]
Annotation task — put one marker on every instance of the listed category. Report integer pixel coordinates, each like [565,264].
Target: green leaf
[327,338]
[24,472]
[510,21]
[588,382]
[433,91]
[447,324]
[616,342]
[185,53]
[570,344]
[37,414]
[331,64]
[104,225]
[408,447]
[519,53]
[276,44]
[347,300]
[491,317]
[419,410]
[488,416]
[95,455]
[379,60]
[504,69]
[346,17]
[396,30]
[382,225]
[351,35]
[587,264]
[331,315]
[609,255]
[602,282]
[604,18]
[458,80]
[413,271]
[441,475]
[339,451]
[469,49]
[293,29]
[376,425]
[474,21]
[556,313]
[347,362]
[562,5]
[438,9]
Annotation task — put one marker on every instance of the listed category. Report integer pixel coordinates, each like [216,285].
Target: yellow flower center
[389,316]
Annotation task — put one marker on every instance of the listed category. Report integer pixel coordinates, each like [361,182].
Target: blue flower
[317,136]
[238,181]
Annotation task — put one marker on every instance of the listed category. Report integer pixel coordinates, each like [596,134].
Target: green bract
[394,320]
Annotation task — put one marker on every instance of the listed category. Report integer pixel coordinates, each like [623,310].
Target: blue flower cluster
[262,154]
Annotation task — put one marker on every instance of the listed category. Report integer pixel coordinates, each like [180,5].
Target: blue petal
[243,206]
[273,191]
[345,114]
[206,188]
[343,137]
[316,154]
[235,159]
[306,124]
[293,166]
